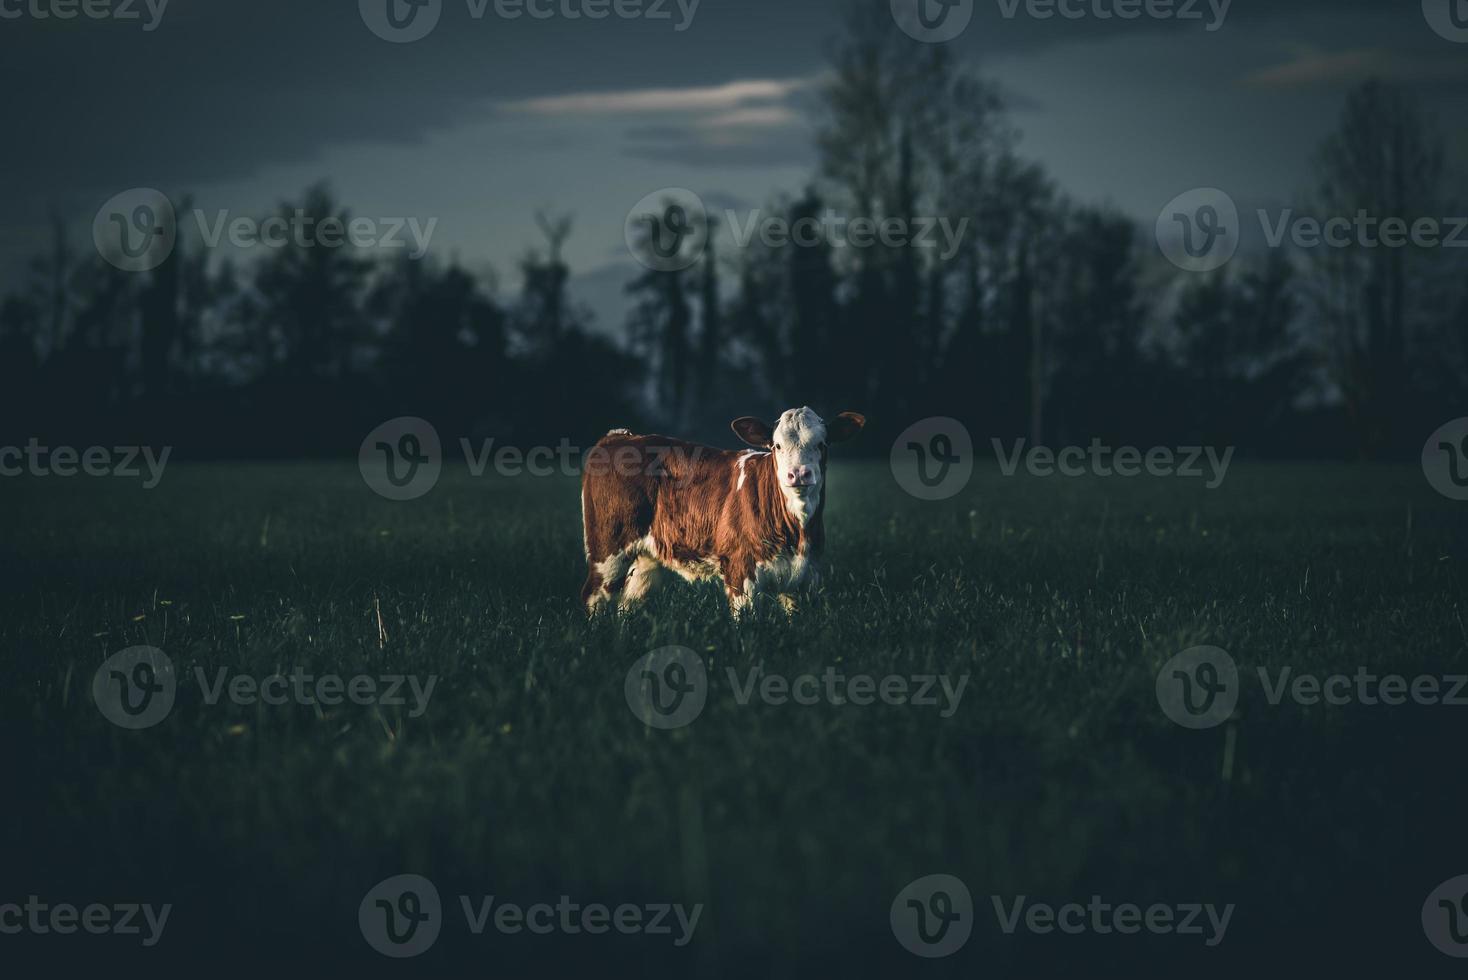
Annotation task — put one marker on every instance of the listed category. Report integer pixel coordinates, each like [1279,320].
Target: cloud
[1314,67]
[748,123]
[726,97]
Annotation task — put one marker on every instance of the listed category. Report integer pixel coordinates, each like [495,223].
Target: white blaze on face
[799,445]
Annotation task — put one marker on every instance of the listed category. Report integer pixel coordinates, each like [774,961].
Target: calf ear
[844,426]
[753,431]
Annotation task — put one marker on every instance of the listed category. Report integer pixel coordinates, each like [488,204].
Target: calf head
[796,447]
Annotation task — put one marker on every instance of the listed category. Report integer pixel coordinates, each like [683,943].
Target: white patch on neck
[745,457]
[801,508]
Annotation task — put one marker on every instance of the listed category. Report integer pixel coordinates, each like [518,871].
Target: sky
[496,113]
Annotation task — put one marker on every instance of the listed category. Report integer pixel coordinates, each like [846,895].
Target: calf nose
[801,476]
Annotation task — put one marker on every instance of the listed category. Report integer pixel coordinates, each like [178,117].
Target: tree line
[1050,319]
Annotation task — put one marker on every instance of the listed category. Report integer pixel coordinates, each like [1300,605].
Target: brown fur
[687,497]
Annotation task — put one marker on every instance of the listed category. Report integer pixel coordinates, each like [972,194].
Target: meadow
[526,775]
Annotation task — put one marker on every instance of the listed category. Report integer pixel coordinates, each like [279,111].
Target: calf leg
[645,575]
[740,583]
[606,580]
[613,523]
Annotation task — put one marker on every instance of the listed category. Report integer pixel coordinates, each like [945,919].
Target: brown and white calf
[752,518]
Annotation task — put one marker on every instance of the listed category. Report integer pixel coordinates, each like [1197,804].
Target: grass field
[528,777]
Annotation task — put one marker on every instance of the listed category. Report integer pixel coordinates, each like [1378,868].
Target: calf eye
[777,447]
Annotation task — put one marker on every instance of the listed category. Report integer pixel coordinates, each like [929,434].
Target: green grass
[528,777]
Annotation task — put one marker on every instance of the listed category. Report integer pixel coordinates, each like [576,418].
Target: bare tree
[1384,161]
